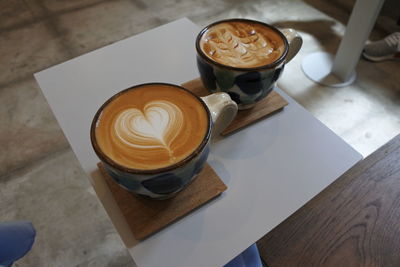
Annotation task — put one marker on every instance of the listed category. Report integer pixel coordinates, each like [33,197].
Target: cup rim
[103,157]
[267,66]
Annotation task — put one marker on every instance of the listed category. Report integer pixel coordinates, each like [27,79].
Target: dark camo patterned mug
[244,58]
[153,139]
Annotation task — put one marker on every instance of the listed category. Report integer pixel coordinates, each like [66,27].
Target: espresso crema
[151,126]
[242,44]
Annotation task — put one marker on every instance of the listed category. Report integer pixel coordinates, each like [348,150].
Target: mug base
[248,106]
[165,197]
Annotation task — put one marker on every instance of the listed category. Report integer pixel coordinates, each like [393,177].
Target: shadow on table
[104,194]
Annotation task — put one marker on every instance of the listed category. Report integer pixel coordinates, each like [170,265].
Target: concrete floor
[40,179]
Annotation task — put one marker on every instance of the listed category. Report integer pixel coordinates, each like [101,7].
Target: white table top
[271,168]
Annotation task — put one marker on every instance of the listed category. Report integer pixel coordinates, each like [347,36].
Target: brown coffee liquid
[151,127]
[242,44]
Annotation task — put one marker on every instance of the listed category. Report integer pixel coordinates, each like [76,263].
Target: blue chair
[16,239]
[248,258]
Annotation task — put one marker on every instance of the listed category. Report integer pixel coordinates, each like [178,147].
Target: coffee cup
[244,58]
[153,139]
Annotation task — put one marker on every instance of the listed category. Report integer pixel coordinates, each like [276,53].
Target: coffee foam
[151,127]
[242,44]
[157,126]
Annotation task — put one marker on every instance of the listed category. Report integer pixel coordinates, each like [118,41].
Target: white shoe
[385,49]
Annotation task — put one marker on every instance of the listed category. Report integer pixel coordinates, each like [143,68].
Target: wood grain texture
[146,216]
[266,107]
[353,222]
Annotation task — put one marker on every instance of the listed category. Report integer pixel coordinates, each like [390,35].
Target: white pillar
[322,68]
[360,24]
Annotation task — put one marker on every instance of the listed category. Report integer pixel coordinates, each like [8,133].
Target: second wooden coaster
[272,103]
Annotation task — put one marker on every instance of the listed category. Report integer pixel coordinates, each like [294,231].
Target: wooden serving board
[352,222]
[272,103]
[147,216]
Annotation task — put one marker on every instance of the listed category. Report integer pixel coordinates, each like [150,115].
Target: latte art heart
[156,127]
[151,126]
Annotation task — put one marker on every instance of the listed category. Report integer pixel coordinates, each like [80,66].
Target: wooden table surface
[353,222]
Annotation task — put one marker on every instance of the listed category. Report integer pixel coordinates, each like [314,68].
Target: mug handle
[295,42]
[223,110]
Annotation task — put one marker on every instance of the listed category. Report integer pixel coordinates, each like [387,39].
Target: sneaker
[386,49]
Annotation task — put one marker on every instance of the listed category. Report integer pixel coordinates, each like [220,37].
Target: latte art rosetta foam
[156,127]
[242,44]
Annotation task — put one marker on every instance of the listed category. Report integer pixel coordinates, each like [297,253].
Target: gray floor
[40,179]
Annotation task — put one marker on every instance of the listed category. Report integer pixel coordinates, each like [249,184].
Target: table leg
[322,68]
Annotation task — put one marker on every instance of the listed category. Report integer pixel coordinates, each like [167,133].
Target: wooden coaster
[272,103]
[146,216]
